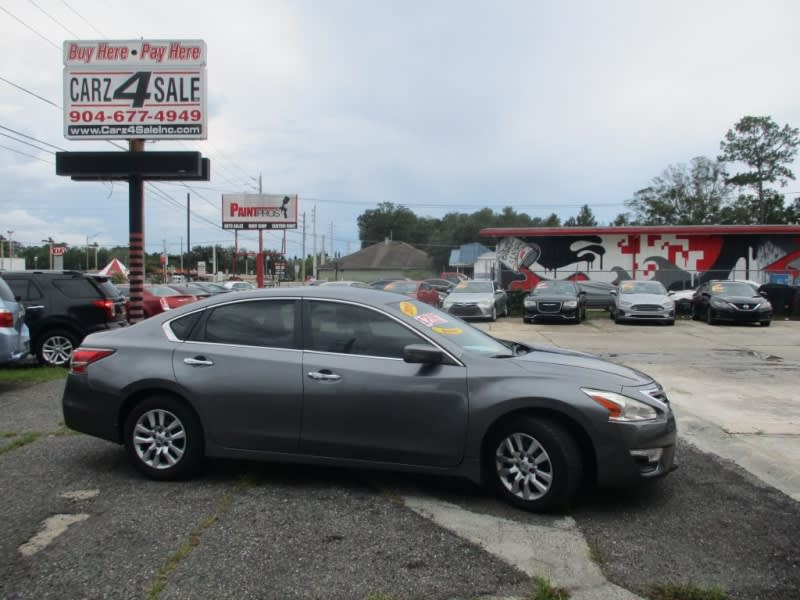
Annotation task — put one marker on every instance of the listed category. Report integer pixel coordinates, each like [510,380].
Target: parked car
[62,307]
[732,301]
[481,298]
[682,300]
[190,289]
[424,292]
[158,298]
[238,286]
[211,287]
[636,300]
[554,300]
[442,286]
[346,283]
[598,293]
[15,339]
[359,377]
[782,296]
[379,284]
[453,277]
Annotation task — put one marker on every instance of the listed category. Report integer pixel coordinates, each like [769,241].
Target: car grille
[465,310]
[746,305]
[647,307]
[657,394]
[549,307]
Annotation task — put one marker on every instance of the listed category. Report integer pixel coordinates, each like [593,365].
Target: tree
[682,195]
[387,221]
[767,149]
[585,218]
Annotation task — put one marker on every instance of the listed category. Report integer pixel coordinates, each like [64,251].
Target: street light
[50,241]
[89,237]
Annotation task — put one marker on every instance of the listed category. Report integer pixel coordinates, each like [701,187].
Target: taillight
[106,305]
[164,304]
[6,318]
[83,357]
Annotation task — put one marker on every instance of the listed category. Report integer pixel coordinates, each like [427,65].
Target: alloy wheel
[159,439]
[57,350]
[524,467]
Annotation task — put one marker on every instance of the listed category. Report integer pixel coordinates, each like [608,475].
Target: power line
[26,154]
[84,19]
[54,20]
[24,24]
[30,137]
[27,91]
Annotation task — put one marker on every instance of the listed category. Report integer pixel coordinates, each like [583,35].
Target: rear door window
[78,287]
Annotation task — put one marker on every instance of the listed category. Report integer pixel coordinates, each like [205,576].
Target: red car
[158,298]
[420,290]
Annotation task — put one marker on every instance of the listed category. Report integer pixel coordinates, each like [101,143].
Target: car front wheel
[534,464]
[164,438]
[55,347]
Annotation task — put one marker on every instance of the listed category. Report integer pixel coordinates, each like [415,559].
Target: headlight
[447,304]
[621,408]
[625,303]
[571,304]
[485,303]
[668,304]
[529,302]
[765,305]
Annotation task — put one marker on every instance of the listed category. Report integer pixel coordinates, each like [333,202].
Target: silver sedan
[477,298]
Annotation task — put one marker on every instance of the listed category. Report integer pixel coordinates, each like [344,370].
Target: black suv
[63,307]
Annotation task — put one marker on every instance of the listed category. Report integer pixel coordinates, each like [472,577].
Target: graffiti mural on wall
[676,260]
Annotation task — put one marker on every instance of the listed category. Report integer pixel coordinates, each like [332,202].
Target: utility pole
[314,238]
[303,253]
[166,261]
[188,236]
[181,254]
[332,254]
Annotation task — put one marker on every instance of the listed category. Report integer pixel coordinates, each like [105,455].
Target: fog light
[652,455]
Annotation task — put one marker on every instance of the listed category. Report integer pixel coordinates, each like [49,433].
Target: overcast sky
[438,106]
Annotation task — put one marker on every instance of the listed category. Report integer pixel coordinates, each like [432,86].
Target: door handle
[324,376]
[199,361]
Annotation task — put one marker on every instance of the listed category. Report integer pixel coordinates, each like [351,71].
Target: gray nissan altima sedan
[360,377]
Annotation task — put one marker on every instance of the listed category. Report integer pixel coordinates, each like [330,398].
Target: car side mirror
[422,353]
[670,293]
[612,292]
[763,294]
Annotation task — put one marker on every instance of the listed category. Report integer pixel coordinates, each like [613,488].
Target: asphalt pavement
[78,522]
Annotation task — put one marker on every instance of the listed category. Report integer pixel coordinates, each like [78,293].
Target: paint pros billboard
[135,89]
[259,211]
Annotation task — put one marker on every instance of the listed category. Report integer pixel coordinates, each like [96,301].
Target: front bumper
[733,315]
[470,311]
[635,313]
[560,314]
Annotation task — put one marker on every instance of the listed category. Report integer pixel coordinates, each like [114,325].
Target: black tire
[526,320]
[493,318]
[159,452]
[765,323]
[671,322]
[710,317]
[695,313]
[541,450]
[54,347]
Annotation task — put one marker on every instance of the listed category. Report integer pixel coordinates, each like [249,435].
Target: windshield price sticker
[135,89]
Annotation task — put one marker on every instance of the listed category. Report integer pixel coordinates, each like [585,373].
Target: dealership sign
[135,89]
[259,211]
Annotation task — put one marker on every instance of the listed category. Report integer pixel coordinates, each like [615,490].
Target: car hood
[644,298]
[466,297]
[547,357]
[741,299]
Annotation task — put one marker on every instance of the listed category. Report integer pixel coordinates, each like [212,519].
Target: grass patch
[23,440]
[31,374]
[595,555]
[685,591]
[547,591]
[193,540]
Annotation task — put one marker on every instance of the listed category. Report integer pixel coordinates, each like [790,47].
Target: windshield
[162,290]
[554,287]
[642,287]
[732,288]
[474,287]
[448,328]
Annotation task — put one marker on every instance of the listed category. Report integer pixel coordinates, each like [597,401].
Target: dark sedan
[554,301]
[357,377]
[730,301]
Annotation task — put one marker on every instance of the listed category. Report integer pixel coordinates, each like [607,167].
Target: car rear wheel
[164,438]
[55,347]
[765,323]
[710,317]
[535,464]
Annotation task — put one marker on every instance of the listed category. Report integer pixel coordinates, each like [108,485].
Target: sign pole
[136,239]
